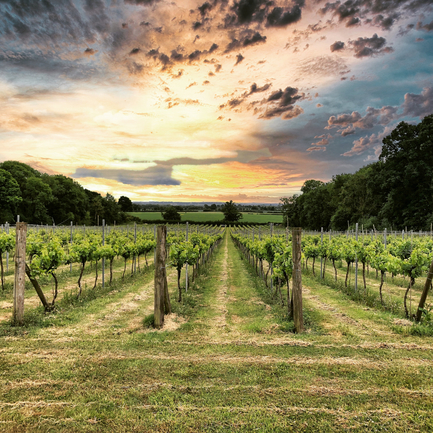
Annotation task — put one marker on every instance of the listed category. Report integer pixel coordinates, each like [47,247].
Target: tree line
[39,198]
[394,192]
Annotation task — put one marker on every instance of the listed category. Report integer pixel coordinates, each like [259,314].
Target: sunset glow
[209,101]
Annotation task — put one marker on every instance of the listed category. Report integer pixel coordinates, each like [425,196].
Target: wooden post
[161,289]
[427,286]
[356,262]
[186,266]
[103,259]
[20,273]
[297,280]
[321,258]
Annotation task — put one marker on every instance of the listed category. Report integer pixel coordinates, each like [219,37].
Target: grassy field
[224,361]
[247,217]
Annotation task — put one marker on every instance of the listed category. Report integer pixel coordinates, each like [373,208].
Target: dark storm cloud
[368,47]
[205,8]
[280,18]
[134,51]
[246,39]
[281,103]
[354,21]
[239,59]
[90,52]
[257,38]
[213,48]
[158,175]
[385,22]
[246,12]
[142,2]
[337,46]
[255,89]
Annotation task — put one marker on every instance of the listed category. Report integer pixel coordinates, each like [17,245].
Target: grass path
[224,361]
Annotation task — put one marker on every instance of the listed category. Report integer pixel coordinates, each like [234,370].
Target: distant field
[248,217]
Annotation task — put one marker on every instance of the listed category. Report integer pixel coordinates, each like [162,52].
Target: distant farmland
[247,217]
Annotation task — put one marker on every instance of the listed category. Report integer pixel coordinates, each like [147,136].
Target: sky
[209,100]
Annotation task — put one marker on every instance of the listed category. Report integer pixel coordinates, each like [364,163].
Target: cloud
[281,103]
[418,105]
[373,117]
[158,175]
[280,18]
[256,89]
[337,46]
[239,59]
[257,38]
[426,27]
[369,47]
[363,144]
[90,52]
[142,2]
[321,144]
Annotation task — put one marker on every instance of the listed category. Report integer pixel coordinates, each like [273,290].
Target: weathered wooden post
[103,259]
[297,280]
[20,273]
[186,266]
[425,291]
[161,300]
[356,262]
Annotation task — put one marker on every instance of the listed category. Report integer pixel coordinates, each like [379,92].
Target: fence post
[356,262]
[20,273]
[297,280]
[321,258]
[160,277]
[103,258]
[186,266]
[7,252]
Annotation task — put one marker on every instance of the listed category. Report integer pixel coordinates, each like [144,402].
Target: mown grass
[247,217]
[231,365]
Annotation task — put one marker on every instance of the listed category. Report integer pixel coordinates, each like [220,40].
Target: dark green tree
[10,197]
[231,212]
[407,175]
[70,201]
[125,204]
[37,197]
[171,214]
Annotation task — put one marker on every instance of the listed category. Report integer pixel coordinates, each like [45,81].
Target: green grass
[247,217]
[232,362]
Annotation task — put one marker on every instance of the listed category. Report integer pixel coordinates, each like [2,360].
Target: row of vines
[409,258]
[49,252]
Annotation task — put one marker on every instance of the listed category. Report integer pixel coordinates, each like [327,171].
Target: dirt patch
[172,322]
[402,322]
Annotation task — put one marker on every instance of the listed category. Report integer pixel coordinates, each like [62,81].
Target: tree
[407,156]
[231,212]
[37,196]
[171,214]
[125,204]
[70,201]
[10,197]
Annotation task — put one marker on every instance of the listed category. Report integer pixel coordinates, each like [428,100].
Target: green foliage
[395,191]
[231,212]
[171,214]
[148,321]
[41,198]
